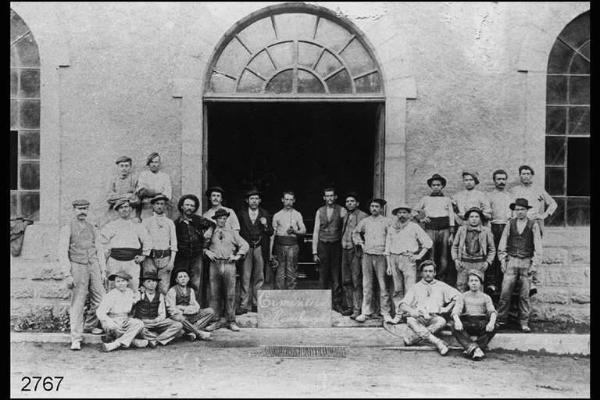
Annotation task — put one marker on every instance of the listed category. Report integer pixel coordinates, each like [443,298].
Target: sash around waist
[286,240]
[124,253]
[438,223]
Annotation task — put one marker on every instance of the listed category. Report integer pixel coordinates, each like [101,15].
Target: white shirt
[232,221]
[158,182]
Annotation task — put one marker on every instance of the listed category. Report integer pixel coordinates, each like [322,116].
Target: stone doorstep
[565,344]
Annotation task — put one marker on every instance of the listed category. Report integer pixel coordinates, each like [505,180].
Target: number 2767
[48,383]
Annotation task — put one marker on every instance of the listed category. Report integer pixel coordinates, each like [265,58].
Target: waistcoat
[330,230]
[183,299]
[146,309]
[520,245]
[82,249]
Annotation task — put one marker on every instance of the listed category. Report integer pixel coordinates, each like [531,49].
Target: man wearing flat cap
[84,271]
[122,186]
[256,229]
[352,255]
[435,211]
[215,197]
[126,244]
[470,198]
[370,234]
[406,243]
[474,314]
[164,243]
[520,251]
[152,182]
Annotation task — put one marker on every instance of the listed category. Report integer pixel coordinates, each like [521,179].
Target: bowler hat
[120,274]
[80,203]
[123,159]
[401,207]
[159,197]
[150,275]
[473,174]
[474,209]
[436,177]
[252,192]
[520,202]
[381,202]
[220,213]
[477,273]
[352,194]
[120,202]
[214,189]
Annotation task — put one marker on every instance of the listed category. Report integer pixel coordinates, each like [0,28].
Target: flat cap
[381,202]
[120,202]
[473,174]
[123,159]
[401,207]
[81,202]
[159,197]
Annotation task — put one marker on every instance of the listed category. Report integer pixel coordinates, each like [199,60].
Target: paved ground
[236,368]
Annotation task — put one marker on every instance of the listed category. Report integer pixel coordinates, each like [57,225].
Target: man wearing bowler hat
[519,251]
[84,271]
[164,242]
[473,247]
[470,197]
[215,196]
[406,243]
[126,243]
[436,213]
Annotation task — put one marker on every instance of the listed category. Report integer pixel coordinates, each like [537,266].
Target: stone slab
[294,308]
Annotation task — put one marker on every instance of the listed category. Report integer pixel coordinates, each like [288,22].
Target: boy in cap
[164,242]
[183,307]
[470,197]
[370,234]
[256,229]
[114,314]
[352,255]
[519,251]
[152,182]
[84,271]
[473,247]
[151,310]
[122,186]
[125,243]
[406,243]
[215,196]
[474,314]
[226,247]
[326,247]
[437,215]
[287,225]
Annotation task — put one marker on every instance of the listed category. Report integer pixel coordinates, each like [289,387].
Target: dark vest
[522,245]
[183,299]
[330,230]
[82,249]
[146,309]
[251,232]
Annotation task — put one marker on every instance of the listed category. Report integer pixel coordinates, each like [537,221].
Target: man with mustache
[84,271]
[470,198]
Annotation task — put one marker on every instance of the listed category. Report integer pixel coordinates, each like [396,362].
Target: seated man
[183,307]
[150,309]
[114,314]
[425,303]
[474,314]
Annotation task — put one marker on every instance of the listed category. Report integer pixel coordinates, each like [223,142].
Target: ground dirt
[238,369]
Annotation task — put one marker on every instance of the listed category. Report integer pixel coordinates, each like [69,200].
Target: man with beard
[406,243]
[500,200]
[470,198]
[84,274]
[193,233]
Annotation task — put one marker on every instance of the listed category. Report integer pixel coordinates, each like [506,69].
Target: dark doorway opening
[297,146]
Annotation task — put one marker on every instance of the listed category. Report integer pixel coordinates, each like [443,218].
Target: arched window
[568,124]
[293,52]
[24,121]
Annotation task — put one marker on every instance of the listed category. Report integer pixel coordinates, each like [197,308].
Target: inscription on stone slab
[294,309]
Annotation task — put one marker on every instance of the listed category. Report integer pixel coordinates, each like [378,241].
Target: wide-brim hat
[123,159]
[214,189]
[436,177]
[80,203]
[473,174]
[159,197]
[120,202]
[474,209]
[401,207]
[520,202]
[120,274]
[477,273]
[220,213]
[150,275]
[381,202]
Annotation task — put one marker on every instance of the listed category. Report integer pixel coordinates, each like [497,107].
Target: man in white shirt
[152,182]
[215,196]
[470,198]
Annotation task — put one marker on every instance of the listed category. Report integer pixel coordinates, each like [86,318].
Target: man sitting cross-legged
[425,304]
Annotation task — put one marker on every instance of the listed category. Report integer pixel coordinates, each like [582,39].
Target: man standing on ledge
[326,247]
[287,224]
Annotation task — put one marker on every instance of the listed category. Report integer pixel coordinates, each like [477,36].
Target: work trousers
[422,329]
[374,268]
[127,329]
[352,277]
[193,323]
[329,269]
[222,289]
[160,266]
[131,267]
[86,279]
[462,273]
[493,275]
[194,267]
[287,270]
[252,277]
[404,273]
[162,331]
[439,251]
[473,326]
[517,271]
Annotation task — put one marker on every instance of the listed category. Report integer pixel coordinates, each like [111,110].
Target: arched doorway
[294,99]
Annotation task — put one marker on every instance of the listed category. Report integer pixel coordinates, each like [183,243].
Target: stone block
[561,313]
[581,298]
[564,276]
[561,237]
[21,292]
[552,297]
[555,255]
[52,290]
[48,271]
[580,255]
